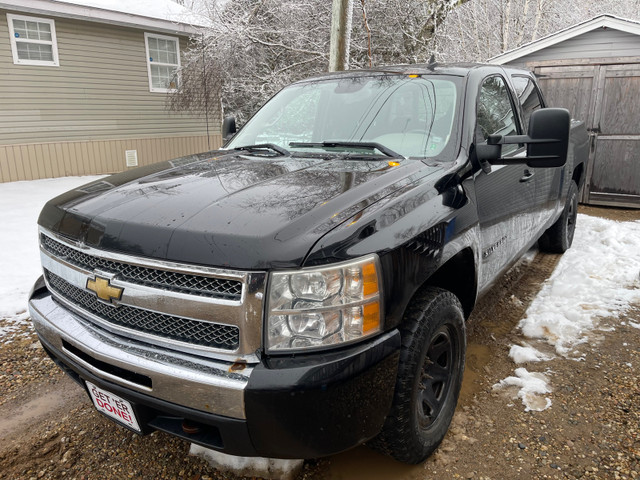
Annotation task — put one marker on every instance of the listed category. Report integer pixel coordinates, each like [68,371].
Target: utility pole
[340,35]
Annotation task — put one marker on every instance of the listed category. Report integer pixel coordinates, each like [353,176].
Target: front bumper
[302,406]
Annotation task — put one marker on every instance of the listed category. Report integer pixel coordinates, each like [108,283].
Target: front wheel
[429,377]
[559,236]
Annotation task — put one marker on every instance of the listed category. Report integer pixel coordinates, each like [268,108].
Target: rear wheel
[429,377]
[559,236]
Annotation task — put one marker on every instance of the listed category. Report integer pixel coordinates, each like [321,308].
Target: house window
[33,40]
[163,61]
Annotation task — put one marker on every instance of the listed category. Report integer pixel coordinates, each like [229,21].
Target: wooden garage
[593,70]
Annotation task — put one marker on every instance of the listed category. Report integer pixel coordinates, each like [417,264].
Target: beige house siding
[81,116]
[88,157]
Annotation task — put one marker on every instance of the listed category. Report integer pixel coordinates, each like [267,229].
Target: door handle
[528,175]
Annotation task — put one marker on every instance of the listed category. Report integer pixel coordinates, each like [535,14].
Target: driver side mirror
[228,128]
[547,142]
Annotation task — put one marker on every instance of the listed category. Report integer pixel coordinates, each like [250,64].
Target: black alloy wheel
[436,377]
[559,236]
[429,376]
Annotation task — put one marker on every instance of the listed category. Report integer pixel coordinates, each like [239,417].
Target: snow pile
[596,277]
[527,354]
[531,388]
[20,205]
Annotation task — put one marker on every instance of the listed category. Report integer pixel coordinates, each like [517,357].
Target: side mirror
[549,131]
[547,141]
[228,128]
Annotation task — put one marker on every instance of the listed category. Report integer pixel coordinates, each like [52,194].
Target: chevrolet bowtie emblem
[104,290]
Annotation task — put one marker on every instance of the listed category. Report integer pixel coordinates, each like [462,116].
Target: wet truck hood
[231,210]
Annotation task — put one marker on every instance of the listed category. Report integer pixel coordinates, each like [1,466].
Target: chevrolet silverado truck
[305,288]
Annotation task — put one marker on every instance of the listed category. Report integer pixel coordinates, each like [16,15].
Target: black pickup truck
[304,289]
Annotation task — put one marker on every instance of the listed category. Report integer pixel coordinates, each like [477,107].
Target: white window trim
[54,41]
[146,46]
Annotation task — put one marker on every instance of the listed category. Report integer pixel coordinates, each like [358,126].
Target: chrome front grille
[174,281]
[167,326]
[190,308]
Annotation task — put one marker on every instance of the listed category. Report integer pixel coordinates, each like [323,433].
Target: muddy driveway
[50,430]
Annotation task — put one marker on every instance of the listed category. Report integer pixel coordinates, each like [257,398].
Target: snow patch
[531,388]
[530,255]
[20,205]
[248,466]
[527,353]
[597,277]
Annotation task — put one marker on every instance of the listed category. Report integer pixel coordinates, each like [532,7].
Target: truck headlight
[318,307]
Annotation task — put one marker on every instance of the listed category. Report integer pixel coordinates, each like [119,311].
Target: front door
[505,196]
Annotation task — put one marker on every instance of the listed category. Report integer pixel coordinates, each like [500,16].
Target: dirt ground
[592,430]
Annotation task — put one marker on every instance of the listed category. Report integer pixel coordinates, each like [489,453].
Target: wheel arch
[578,175]
[458,275]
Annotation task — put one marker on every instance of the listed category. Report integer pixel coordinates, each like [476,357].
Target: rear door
[547,180]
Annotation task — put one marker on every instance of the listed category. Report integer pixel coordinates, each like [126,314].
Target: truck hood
[226,209]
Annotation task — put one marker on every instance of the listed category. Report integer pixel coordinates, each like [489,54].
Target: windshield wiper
[264,146]
[330,144]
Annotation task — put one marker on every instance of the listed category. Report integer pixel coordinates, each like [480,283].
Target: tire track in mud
[27,431]
[46,400]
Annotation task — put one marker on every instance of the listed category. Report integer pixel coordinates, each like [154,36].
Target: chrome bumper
[204,384]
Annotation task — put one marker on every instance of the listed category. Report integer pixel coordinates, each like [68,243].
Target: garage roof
[602,21]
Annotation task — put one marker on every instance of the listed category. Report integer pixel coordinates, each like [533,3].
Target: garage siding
[600,43]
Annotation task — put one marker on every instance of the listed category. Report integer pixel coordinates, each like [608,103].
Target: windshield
[415,117]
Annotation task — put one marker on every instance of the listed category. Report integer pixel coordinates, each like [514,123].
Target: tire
[559,236]
[429,377]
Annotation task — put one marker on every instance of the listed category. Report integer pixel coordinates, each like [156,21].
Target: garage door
[607,97]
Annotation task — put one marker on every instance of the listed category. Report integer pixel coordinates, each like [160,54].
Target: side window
[529,97]
[495,114]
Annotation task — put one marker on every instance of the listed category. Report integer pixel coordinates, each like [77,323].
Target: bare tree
[402,31]
[255,47]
